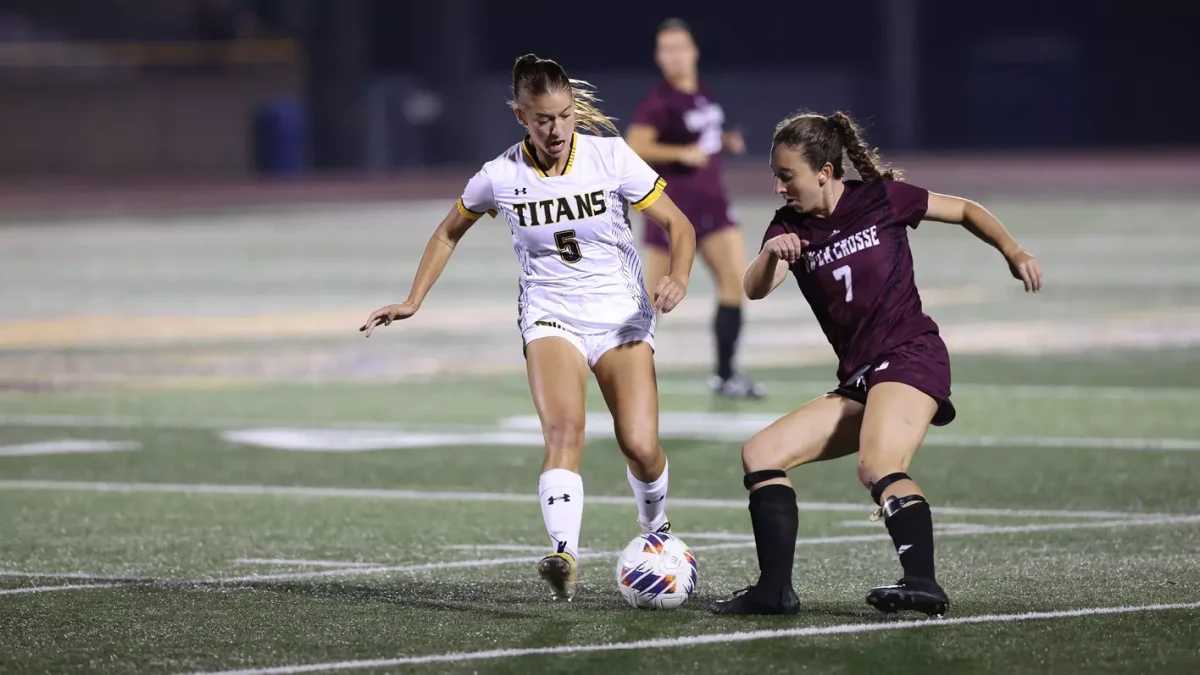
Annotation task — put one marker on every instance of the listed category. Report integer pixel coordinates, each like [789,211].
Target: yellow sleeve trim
[649,199]
[472,215]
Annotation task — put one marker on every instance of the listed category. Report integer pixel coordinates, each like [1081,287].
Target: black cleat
[921,595]
[749,601]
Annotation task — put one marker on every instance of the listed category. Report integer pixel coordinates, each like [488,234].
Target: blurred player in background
[679,129]
[846,243]
[582,304]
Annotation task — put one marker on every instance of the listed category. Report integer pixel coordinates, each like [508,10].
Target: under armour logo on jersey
[518,191]
[883,366]
[565,498]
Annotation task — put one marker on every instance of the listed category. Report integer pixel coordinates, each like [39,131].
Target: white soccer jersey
[571,233]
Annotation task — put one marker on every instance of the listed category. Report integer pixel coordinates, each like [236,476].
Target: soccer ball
[656,571]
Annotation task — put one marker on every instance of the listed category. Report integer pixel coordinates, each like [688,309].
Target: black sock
[912,533]
[775,518]
[727,325]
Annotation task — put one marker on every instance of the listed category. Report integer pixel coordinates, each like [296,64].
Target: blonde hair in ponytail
[533,76]
[587,115]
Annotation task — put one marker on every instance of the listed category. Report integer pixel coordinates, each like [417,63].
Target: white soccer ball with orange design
[656,571]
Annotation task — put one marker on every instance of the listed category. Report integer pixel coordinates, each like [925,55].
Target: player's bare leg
[894,426]
[824,428]
[724,253]
[627,379]
[558,381]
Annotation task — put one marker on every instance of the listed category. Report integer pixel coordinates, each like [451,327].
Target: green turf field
[205,468]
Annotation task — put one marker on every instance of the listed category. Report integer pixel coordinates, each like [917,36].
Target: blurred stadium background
[202,200]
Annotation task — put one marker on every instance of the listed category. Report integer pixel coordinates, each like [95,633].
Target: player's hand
[693,155]
[734,142]
[667,294]
[384,316]
[1027,269]
[786,247]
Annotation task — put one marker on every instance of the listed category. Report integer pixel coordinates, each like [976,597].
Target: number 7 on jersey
[843,273]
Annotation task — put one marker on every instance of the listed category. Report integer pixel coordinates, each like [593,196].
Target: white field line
[46,589]
[985,529]
[511,548]
[732,545]
[122,422]
[297,562]
[64,575]
[66,446]
[1081,442]
[333,437]
[1034,391]
[717,638]
[519,498]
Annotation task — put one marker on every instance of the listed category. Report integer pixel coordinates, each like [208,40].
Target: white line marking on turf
[66,446]
[1083,442]
[732,545]
[45,589]
[809,541]
[519,548]
[62,575]
[519,498]
[523,431]
[296,562]
[717,638]
[1050,391]
[986,529]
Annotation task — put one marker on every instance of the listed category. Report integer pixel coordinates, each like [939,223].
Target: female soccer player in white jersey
[582,304]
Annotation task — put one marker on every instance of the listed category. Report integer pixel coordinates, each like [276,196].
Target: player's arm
[437,253]
[764,275]
[681,234]
[433,262]
[476,200]
[643,138]
[733,142]
[980,222]
[780,249]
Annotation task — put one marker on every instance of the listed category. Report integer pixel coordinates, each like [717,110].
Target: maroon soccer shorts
[922,363]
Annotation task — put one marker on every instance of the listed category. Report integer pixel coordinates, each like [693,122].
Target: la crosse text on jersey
[824,255]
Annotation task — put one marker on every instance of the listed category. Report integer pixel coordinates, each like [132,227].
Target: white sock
[651,499]
[561,494]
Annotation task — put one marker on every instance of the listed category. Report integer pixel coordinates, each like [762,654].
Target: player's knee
[759,455]
[563,436]
[640,446]
[872,469]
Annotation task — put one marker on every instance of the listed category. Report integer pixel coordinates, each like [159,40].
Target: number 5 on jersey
[843,273]
[568,247]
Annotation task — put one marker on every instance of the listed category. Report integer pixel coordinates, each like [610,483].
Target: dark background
[386,85]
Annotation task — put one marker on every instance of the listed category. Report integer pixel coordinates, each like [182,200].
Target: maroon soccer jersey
[683,119]
[857,273]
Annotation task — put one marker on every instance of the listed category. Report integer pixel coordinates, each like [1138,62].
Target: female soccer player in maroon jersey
[846,242]
[678,129]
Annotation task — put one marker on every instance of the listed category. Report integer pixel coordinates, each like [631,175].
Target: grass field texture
[205,468]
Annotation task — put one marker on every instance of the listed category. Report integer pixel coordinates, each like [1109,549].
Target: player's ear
[520,117]
[825,174]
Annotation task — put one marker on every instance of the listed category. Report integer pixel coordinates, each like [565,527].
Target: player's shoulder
[506,164]
[601,152]
[610,145]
